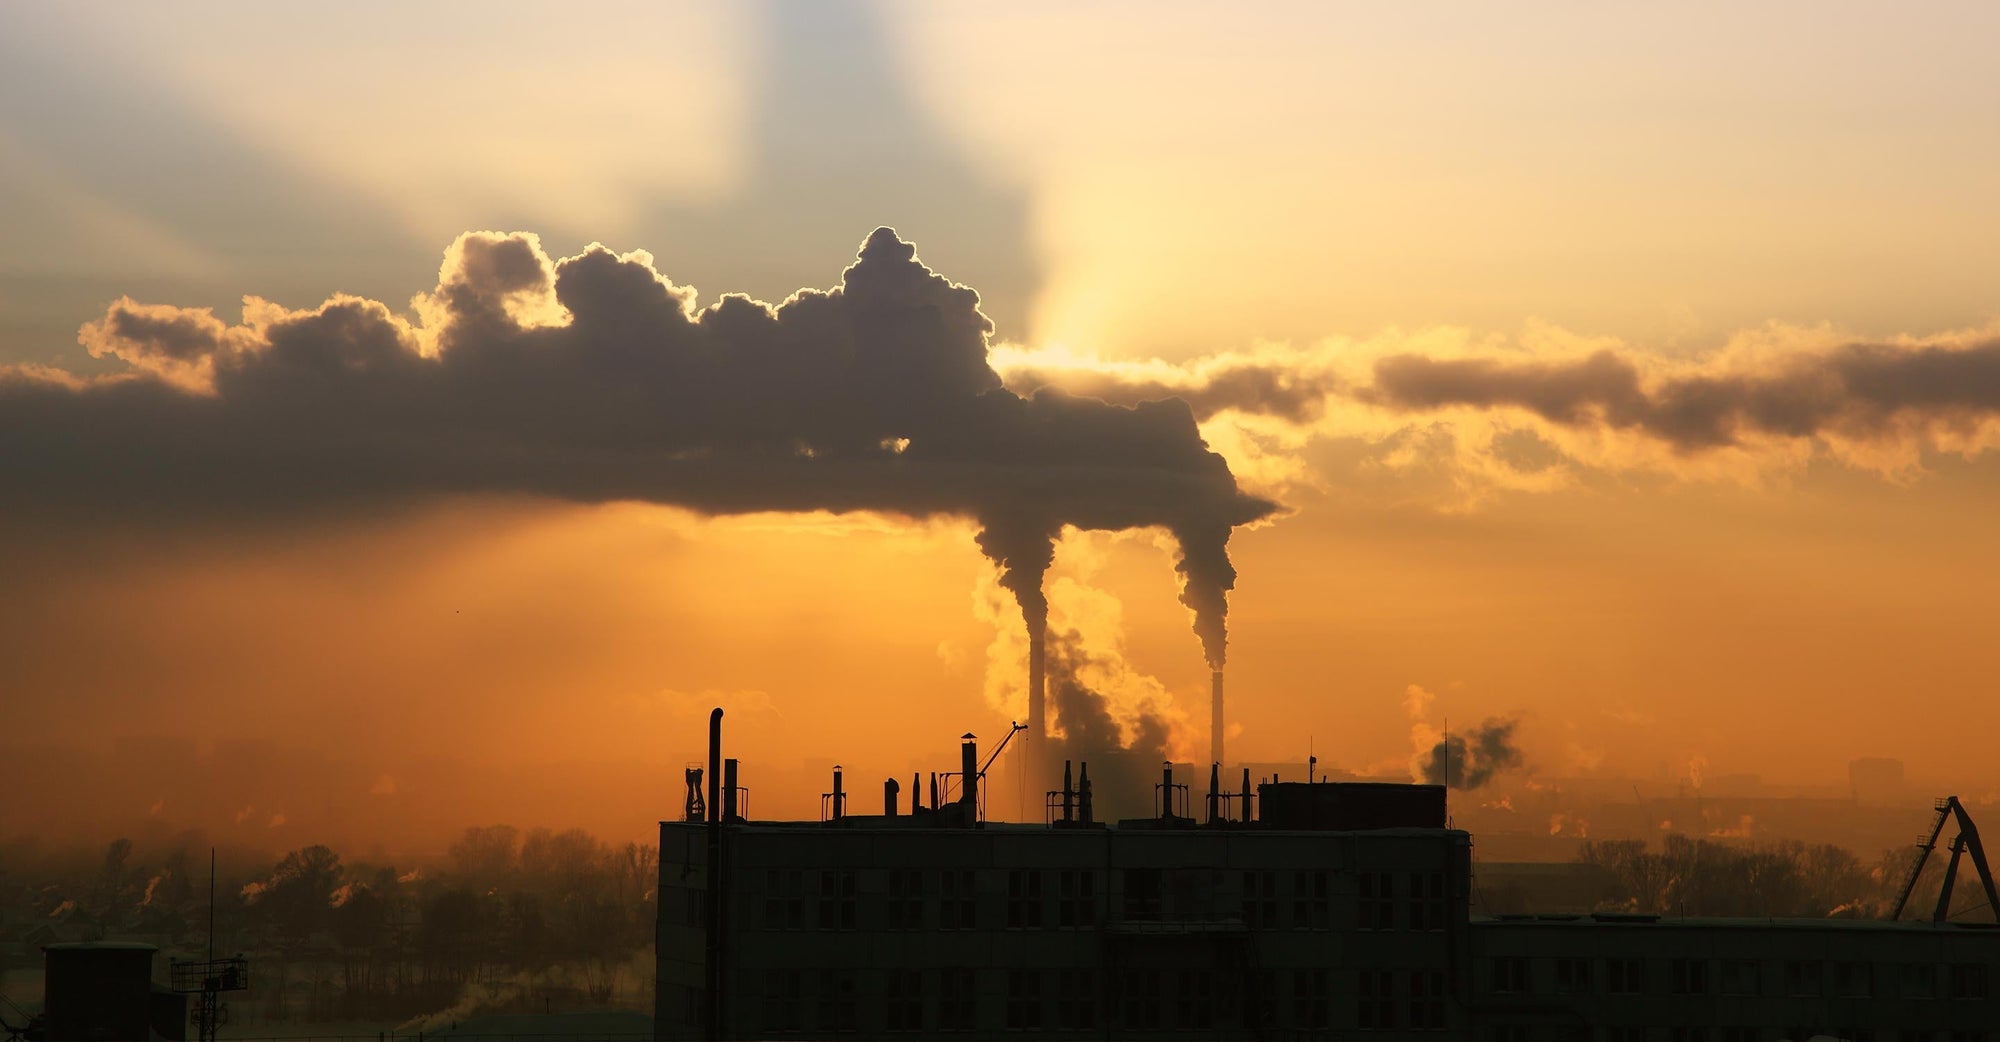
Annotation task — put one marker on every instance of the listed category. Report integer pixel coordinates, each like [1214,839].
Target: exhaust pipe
[1083,793]
[889,791]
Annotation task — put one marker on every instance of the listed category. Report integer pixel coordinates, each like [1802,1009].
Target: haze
[1440,283]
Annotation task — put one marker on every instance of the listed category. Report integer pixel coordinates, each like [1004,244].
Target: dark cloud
[1467,762]
[875,395]
[1269,388]
[1858,391]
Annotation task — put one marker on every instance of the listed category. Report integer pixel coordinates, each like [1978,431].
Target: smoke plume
[1463,762]
[1124,755]
[595,379]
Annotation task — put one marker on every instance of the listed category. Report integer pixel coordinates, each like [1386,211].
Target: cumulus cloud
[596,378]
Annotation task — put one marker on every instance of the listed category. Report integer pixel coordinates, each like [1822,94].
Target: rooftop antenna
[207,980]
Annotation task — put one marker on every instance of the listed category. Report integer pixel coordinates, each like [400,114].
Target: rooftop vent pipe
[968,754]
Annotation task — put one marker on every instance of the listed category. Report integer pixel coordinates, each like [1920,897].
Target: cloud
[596,378]
[1534,411]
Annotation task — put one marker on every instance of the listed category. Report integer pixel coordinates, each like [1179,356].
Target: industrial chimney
[1215,722]
[1037,695]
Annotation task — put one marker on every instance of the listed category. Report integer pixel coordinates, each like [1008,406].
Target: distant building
[1877,781]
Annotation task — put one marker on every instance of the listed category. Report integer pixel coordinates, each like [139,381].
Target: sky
[1628,373]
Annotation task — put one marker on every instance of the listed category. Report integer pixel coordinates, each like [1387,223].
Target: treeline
[1688,876]
[541,919]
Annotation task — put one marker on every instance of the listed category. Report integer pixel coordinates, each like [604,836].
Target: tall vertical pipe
[1083,808]
[968,793]
[889,789]
[1037,698]
[1068,796]
[916,791]
[730,811]
[839,796]
[1216,725]
[714,925]
[1246,796]
[1214,793]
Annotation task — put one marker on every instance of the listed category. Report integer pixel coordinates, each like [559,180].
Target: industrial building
[1288,910]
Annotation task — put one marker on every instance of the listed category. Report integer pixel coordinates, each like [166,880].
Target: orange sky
[1309,189]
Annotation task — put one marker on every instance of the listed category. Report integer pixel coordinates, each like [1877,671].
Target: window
[1854,980]
[1264,1004]
[906,899]
[1311,909]
[1917,1036]
[1624,976]
[1427,999]
[836,899]
[957,902]
[1024,899]
[1024,1000]
[1076,999]
[1687,1034]
[958,999]
[1260,900]
[1974,1035]
[1690,977]
[783,1005]
[1742,977]
[1508,1033]
[1142,999]
[1968,980]
[1375,998]
[1426,901]
[1753,1035]
[1625,1034]
[1510,975]
[1312,994]
[904,1008]
[1076,898]
[1377,909]
[784,903]
[1195,1001]
[1919,980]
[836,1000]
[1572,976]
[1142,893]
[1803,979]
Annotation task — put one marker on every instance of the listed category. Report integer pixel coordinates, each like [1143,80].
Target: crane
[1967,841]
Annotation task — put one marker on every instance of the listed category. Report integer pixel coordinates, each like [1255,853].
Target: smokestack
[1083,793]
[839,797]
[730,812]
[1215,723]
[916,791]
[968,759]
[1069,795]
[1037,695]
[935,804]
[889,791]
[1246,795]
[1167,790]
[1214,792]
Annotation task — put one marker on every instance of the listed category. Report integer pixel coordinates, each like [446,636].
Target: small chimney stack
[936,804]
[729,808]
[968,757]
[1214,792]
[916,791]
[889,790]
[839,796]
[1246,796]
[1167,790]
[1083,794]
[1068,797]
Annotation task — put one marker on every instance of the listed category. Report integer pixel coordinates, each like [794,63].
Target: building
[1324,910]
[1641,978]
[1339,908]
